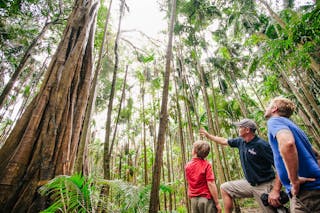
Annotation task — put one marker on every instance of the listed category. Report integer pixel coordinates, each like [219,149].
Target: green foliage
[307,27]
[141,77]
[145,59]
[199,13]
[156,83]
[101,21]
[224,52]
[295,43]
[271,31]
[126,112]
[253,65]
[77,193]
[131,199]
[270,85]
[26,91]
[74,193]
[4,125]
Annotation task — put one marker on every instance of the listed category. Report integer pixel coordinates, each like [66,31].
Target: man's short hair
[201,149]
[248,123]
[285,106]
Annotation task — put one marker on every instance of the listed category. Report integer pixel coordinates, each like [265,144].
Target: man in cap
[257,165]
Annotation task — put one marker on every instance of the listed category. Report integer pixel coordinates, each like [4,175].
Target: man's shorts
[305,202]
[243,189]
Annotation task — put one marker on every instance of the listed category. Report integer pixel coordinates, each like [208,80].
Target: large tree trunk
[154,201]
[45,140]
[82,161]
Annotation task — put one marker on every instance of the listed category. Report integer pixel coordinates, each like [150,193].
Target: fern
[74,193]
[132,199]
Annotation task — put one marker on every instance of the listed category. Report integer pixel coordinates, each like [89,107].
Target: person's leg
[305,202]
[210,207]
[234,189]
[205,205]
[194,205]
[258,191]
[227,201]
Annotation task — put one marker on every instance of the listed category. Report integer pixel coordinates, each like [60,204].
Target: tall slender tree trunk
[313,119]
[172,169]
[45,140]
[107,157]
[8,127]
[312,132]
[154,200]
[237,94]
[165,208]
[216,125]
[145,166]
[169,165]
[23,62]
[211,127]
[123,96]
[186,103]
[309,97]
[183,149]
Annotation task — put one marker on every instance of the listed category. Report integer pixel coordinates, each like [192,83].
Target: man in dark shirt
[257,165]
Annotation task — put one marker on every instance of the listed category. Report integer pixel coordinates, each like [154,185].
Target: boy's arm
[214,193]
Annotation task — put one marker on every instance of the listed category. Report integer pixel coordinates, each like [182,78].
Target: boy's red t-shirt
[198,173]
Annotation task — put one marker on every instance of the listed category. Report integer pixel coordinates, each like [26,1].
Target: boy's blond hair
[201,149]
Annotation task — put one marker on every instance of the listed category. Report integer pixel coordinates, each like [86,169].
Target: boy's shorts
[202,205]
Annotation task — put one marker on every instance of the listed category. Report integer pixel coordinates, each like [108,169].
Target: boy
[202,189]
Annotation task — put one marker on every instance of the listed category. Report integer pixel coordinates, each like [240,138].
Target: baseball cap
[246,123]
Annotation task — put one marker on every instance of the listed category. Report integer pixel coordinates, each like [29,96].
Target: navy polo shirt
[256,159]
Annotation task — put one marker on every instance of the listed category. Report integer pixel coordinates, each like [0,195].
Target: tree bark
[144,136]
[154,198]
[169,165]
[183,150]
[44,142]
[211,126]
[81,162]
[107,157]
[300,98]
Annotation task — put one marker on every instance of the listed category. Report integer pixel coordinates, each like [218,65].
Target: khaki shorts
[202,205]
[243,189]
[305,202]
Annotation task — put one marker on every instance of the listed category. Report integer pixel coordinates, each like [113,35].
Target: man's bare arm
[217,139]
[289,154]
[274,194]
